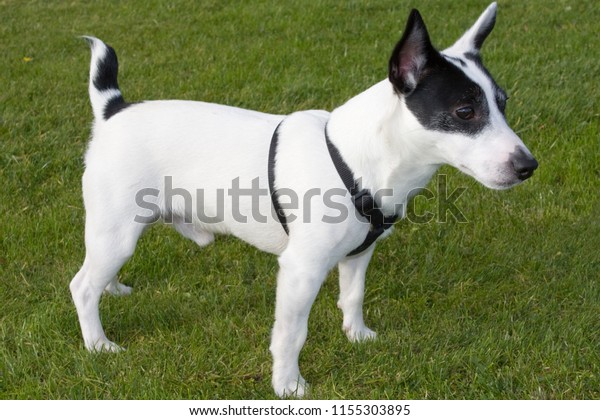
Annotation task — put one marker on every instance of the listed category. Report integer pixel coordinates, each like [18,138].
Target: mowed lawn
[506,305]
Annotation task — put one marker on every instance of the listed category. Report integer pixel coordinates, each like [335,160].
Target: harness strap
[271,174]
[363,200]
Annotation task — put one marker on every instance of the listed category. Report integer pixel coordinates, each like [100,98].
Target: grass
[504,306]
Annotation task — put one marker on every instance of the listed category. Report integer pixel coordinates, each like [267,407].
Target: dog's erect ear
[472,40]
[409,59]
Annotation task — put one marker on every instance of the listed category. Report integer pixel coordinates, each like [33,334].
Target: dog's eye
[465,113]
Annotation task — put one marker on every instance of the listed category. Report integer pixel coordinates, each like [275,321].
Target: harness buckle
[364,203]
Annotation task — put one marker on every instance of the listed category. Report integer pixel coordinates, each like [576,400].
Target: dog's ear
[472,40]
[409,58]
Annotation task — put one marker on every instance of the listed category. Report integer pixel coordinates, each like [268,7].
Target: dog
[434,108]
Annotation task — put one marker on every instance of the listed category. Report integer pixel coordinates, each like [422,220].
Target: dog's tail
[105,95]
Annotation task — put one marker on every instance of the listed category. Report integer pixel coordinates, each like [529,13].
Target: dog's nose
[523,163]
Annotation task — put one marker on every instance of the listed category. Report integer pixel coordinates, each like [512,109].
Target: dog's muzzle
[523,163]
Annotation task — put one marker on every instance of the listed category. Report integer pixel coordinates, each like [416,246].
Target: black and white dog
[434,108]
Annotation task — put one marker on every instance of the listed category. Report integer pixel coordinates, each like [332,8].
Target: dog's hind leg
[298,282]
[107,249]
[352,272]
[116,288]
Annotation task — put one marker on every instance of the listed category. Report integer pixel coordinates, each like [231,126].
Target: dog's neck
[376,136]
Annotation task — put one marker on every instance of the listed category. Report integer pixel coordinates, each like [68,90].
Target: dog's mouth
[504,185]
[504,180]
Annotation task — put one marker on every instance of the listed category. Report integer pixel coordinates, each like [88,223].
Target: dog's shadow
[180,288]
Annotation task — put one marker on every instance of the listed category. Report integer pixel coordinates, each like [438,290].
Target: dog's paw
[296,388]
[357,334]
[104,346]
[118,289]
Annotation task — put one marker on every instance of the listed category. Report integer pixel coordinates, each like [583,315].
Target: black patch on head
[442,91]
[457,60]
[114,106]
[107,71]
[499,94]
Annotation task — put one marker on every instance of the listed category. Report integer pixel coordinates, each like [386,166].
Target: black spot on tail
[114,106]
[108,69]
[106,78]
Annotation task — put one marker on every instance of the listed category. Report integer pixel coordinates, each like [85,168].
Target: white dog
[207,169]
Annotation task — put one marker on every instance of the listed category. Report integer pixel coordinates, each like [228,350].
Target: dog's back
[144,150]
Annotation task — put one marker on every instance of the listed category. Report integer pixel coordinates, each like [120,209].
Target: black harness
[363,200]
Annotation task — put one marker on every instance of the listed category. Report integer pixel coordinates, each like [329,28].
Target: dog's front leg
[352,289]
[298,283]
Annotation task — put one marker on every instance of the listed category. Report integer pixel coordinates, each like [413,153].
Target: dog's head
[455,105]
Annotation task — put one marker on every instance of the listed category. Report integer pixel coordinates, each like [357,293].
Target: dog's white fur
[202,145]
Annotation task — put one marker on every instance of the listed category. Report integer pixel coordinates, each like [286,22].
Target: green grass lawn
[504,306]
